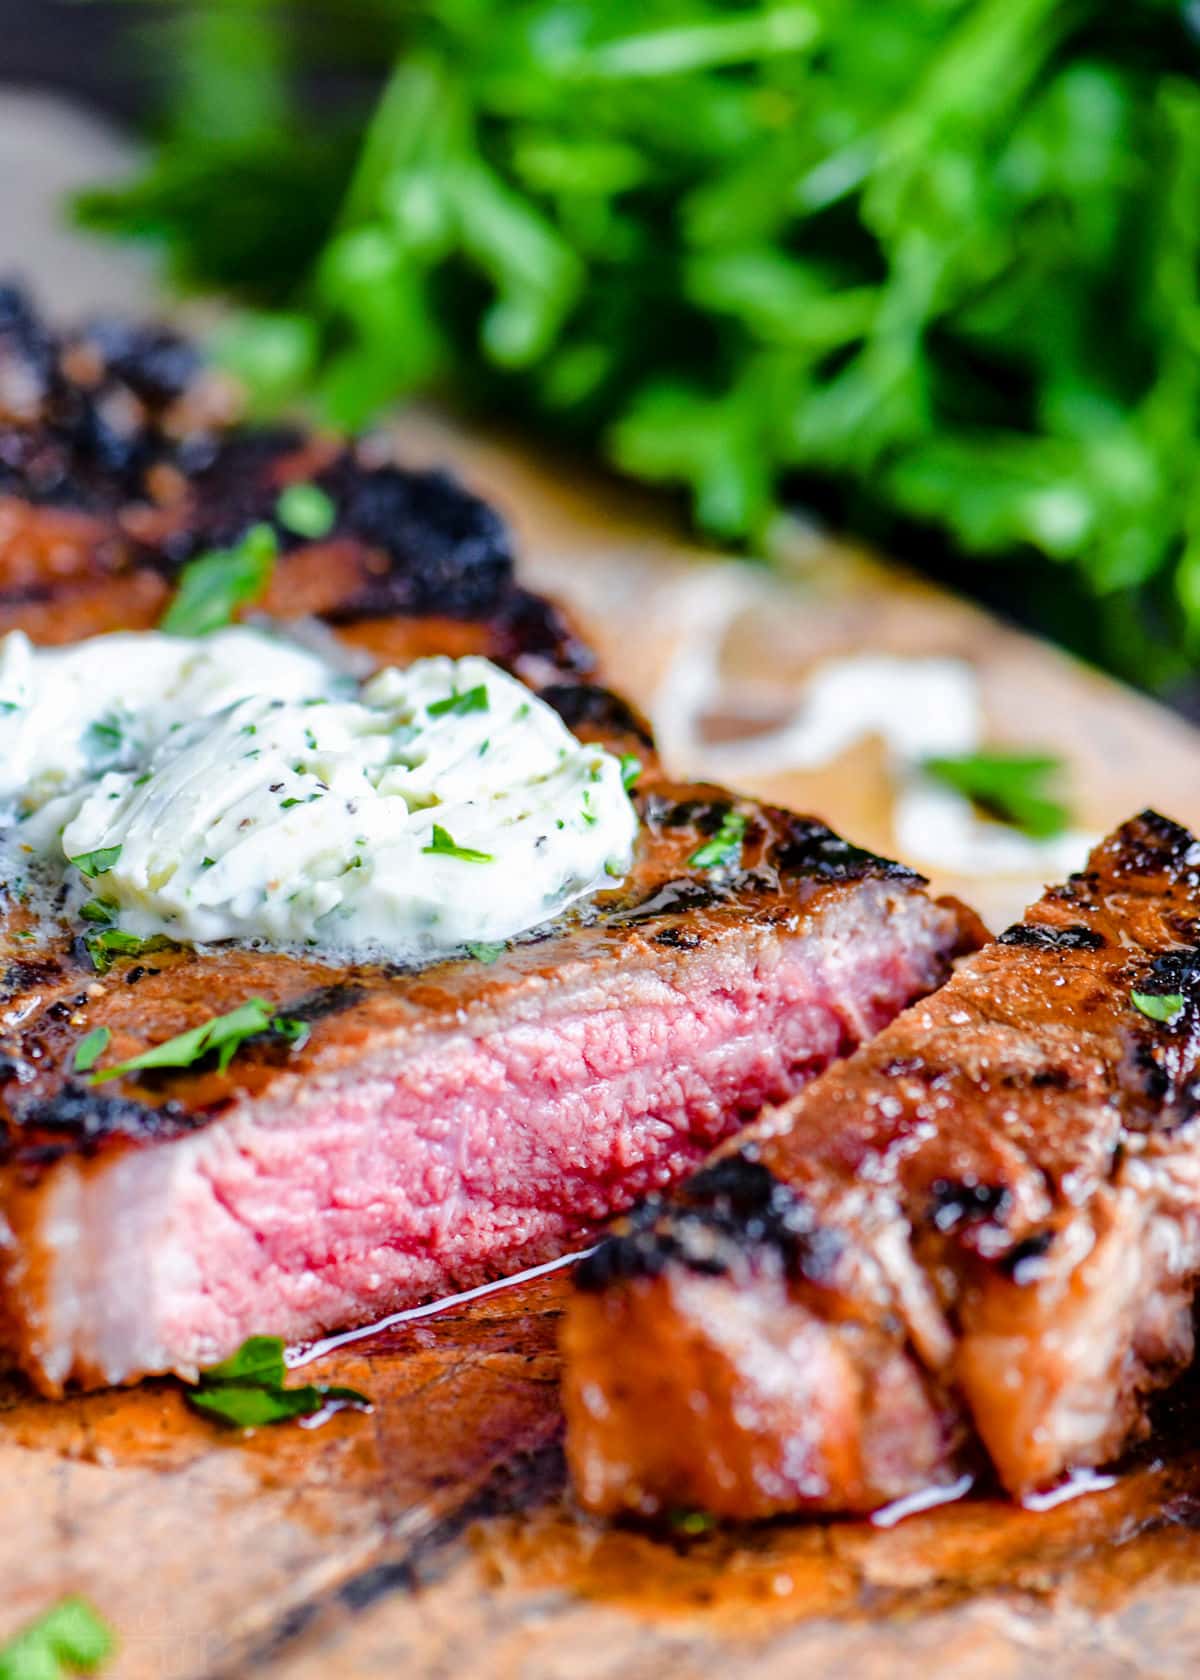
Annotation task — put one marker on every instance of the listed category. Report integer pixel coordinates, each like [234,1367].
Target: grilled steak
[982,1228]
[120,461]
[442,1125]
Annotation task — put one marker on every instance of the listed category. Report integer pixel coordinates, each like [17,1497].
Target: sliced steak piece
[440,1127]
[982,1228]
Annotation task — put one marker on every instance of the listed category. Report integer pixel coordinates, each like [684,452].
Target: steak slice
[982,1228]
[440,1127]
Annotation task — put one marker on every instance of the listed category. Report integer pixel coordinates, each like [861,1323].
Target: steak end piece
[122,457]
[980,1231]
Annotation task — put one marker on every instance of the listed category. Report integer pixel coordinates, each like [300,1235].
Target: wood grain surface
[434,1536]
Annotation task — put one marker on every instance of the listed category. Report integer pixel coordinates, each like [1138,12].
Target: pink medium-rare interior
[464,1156]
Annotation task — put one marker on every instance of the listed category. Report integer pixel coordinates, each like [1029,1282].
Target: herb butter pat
[238,786]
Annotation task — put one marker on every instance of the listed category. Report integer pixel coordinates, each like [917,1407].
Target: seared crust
[121,459]
[992,1210]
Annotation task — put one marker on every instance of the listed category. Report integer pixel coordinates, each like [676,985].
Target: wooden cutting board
[434,1536]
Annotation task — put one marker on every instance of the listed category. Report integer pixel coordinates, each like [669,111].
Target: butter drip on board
[239,786]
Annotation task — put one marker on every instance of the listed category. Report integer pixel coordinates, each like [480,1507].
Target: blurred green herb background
[931,267]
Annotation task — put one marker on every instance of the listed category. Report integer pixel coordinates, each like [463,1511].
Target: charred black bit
[1152,844]
[956,1202]
[28,348]
[1037,936]
[1017,1263]
[1049,1079]
[725,1215]
[1079,891]
[530,626]
[704,815]
[157,364]
[449,552]
[1160,1064]
[582,705]
[672,897]
[80,1119]
[677,939]
[26,976]
[327,1000]
[1143,1073]
[808,847]
[84,413]
[15,1068]
[1174,971]
[233,485]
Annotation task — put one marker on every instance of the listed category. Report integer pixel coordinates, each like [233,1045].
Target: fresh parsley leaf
[306,510]
[258,1360]
[70,1638]
[96,863]
[458,705]
[486,950]
[1166,1007]
[112,942]
[213,586]
[296,1032]
[444,846]
[724,850]
[90,1048]
[631,769]
[522,253]
[98,910]
[224,1034]
[248,1389]
[103,739]
[1010,786]
[692,1523]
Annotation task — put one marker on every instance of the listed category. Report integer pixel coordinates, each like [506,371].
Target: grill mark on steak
[732,1212]
[80,1121]
[1032,935]
[1008,1179]
[809,848]
[584,707]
